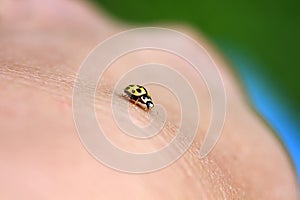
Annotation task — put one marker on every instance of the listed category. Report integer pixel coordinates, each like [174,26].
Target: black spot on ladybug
[127,88]
[131,85]
[133,91]
[139,90]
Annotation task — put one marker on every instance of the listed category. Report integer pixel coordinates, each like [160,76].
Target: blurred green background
[259,38]
[264,32]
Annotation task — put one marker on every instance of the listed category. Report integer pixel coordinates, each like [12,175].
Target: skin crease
[41,156]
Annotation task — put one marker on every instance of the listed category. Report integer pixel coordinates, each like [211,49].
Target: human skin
[41,157]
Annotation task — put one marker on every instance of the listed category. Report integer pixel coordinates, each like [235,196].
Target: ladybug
[140,94]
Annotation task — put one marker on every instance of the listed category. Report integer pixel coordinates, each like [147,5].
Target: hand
[42,46]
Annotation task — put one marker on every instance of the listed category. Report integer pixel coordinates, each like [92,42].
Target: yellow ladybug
[139,93]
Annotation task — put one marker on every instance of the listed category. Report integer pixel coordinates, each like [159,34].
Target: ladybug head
[149,104]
